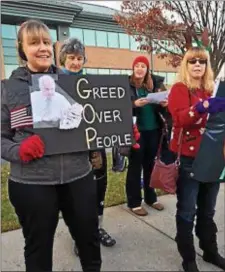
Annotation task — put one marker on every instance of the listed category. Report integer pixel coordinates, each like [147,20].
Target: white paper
[72,117]
[156,98]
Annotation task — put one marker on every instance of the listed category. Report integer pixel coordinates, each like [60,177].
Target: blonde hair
[207,80]
[33,28]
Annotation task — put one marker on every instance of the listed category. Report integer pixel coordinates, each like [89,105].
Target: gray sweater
[49,170]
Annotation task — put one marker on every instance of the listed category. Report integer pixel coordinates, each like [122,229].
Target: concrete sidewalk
[143,244]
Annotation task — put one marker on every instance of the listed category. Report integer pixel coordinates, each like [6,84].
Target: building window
[124,41]
[113,40]
[89,37]
[92,71]
[9,32]
[101,38]
[9,69]
[77,33]
[9,35]
[103,71]
[53,34]
[115,72]
[171,77]
[134,45]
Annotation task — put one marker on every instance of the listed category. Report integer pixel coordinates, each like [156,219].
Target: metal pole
[151,58]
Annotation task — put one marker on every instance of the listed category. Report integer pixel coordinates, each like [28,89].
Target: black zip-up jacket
[158,109]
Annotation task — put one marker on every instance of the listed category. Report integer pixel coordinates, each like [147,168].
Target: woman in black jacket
[40,186]
[72,58]
[149,124]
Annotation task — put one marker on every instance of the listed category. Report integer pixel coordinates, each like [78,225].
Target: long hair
[147,83]
[208,78]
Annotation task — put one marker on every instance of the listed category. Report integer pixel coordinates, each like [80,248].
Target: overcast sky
[111,4]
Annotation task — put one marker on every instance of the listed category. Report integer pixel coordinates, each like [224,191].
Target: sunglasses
[200,61]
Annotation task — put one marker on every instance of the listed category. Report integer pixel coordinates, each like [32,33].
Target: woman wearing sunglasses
[189,103]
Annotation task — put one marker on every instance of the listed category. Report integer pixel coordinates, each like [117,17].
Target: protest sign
[210,160]
[77,113]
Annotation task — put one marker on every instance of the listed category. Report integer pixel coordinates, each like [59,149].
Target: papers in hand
[71,117]
[156,98]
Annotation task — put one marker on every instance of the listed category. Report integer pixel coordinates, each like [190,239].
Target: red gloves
[31,148]
[136,134]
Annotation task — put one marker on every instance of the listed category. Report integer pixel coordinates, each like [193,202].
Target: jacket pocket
[44,169]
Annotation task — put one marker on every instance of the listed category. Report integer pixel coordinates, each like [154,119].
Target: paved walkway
[143,244]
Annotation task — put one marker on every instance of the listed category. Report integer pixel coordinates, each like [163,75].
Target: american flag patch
[21,117]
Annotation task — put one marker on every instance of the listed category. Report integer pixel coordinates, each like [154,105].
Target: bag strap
[160,143]
[180,138]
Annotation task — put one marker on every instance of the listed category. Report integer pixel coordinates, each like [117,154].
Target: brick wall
[100,57]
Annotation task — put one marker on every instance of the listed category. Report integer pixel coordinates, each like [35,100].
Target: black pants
[195,199]
[101,177]
[139,159]
[38,206]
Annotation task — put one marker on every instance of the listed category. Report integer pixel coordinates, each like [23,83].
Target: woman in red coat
[189,103]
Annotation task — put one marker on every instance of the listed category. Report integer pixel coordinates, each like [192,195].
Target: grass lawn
[115,195]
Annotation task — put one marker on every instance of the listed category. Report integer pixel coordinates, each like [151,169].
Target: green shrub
[115,195]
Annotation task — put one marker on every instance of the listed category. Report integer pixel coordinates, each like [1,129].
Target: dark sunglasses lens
[192,61]
[201,61]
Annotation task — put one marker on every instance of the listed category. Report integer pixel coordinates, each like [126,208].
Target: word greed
[104,116]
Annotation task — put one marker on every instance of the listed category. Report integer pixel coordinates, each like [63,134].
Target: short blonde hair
[33,28]
[208,78]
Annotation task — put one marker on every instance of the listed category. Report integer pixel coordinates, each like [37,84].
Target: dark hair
[147,82]
[32,27]
[71,46]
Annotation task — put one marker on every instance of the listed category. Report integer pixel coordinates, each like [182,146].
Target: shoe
[75,250]
[215,259]
[140,211]
[105,239]
[190,266]
[157,206]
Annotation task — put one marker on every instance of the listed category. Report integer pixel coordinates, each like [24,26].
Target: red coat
[180,105]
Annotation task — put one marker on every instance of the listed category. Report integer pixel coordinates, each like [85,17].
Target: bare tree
[180,23]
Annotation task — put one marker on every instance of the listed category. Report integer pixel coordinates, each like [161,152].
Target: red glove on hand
[31,148]
[137,135]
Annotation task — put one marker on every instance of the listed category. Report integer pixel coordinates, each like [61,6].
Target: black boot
[75,250]
[206,232]
[215,259]
[190,266]
[185,244]
[185,240]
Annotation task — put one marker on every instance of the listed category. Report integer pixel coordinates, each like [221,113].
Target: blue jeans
[195,199]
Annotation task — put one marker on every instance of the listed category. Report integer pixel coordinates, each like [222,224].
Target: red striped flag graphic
[20,118]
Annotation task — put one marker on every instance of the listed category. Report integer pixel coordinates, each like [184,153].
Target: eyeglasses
[200,61]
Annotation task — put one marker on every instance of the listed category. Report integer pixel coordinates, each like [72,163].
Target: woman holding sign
[72,58]
[40,186]
[149,124]
[189,104]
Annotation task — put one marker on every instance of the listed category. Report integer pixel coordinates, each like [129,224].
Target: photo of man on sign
[51,108]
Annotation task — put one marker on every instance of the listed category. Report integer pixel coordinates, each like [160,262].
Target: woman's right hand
[141,102]
[31,148]
[212,105]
